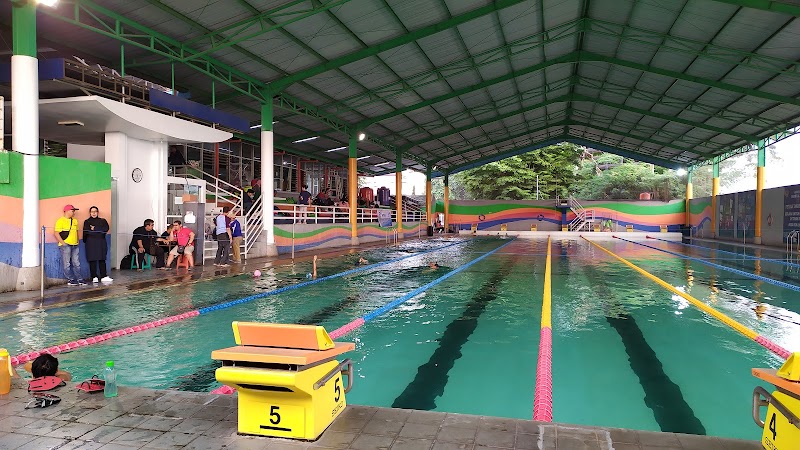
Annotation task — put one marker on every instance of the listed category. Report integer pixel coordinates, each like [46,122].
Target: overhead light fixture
[71,123]
[435,167]
[365,157]
[383,163]
[361,136]
[255,126]
[337,148]
[306,139]
[50,3]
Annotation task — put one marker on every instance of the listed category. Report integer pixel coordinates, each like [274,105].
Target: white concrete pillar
[268,178]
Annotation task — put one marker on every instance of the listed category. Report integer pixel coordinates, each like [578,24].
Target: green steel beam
[375,49]
[782,7]
[464,65]
[570,57]
[588,56]
[644,112]
[707,50]
[669,136]
[260,24]
[635,137]
[493,119]
[498,136]
[749,147]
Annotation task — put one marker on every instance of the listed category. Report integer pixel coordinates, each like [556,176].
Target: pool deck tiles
[159,419]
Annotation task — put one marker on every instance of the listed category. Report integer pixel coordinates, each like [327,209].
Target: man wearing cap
[66,233]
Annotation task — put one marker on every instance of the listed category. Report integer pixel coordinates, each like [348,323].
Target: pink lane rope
[30,356]
[543,396]
[775,348]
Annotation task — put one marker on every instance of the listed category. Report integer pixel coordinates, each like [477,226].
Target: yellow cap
[3,352]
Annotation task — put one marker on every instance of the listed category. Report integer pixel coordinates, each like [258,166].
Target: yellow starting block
[596,227]
[564,227]
[504,227]
[474,228]
[289,383]
[628,227]
[663,228]
[782,424]
[533,227]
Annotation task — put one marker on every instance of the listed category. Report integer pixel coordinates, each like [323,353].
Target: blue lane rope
[208,309]
[721,267]
[394,303]
[776,261]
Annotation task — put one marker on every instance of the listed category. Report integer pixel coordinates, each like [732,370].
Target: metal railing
[253,225]
[583,217]
[338,214]
[792,238]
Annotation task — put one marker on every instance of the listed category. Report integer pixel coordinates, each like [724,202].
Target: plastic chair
[145,261]
[182,261]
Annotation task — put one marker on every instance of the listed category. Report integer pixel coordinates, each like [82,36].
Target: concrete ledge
[593,235]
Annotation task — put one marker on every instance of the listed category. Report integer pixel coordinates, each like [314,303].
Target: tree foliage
[613,177]
[515,178]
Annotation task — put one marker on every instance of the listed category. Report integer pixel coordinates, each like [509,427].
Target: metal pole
[293,222]
[41,265]
[537,186]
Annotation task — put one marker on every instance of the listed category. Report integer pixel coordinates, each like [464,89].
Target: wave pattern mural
[307,237]
[645,216]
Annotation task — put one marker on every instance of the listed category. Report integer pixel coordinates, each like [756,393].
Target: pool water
[626,352]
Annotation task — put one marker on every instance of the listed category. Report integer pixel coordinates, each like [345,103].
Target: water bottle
[110,377]
[5,372]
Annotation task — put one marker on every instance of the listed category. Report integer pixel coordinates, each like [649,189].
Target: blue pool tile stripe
[776,261]
[208,309]
[721,267]
[395,303]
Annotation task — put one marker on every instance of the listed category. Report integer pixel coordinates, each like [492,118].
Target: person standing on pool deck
[223,235]
[66,233]
[304,200]
[95,245]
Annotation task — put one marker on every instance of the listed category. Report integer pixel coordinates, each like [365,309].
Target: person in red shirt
[184,237]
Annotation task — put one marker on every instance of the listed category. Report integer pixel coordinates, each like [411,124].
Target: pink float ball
[53,350]
[256,273]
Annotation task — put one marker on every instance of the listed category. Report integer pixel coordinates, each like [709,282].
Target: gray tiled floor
[149,419]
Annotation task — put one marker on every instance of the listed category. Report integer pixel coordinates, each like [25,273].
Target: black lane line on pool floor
[661,394]
[431,377]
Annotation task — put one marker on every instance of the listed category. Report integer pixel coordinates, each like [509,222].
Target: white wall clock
[137,175]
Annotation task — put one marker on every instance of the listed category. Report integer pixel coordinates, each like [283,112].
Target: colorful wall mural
[310,236]
[520,215]
[61,181]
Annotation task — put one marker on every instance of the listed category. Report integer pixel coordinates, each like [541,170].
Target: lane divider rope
[291,287]
[776,261]
[765,342]
[30,356]
[341,331]
[543,393]
[720,266]
[358,323]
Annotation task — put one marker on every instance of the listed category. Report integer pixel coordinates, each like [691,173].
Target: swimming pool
[626,352]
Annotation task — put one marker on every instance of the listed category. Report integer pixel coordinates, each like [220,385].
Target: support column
[428,196]
[352,187]
[398,186]
[762,159]
[689,195]
[25,134]
[268,178]
[446,202]
[714,194]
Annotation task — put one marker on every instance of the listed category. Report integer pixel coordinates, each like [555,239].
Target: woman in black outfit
[94,241]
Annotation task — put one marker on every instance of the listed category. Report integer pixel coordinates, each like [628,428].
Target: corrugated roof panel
[518,21]
[655,16]
[612,10]
[464,80]
[785,85]
[369,20]
[749,28]
[407,61]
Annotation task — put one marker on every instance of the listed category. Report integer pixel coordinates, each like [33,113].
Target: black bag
[125,264]
[65,234]
[181,249]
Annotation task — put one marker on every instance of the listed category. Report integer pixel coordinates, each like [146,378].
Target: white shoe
[95,280]
[107,280]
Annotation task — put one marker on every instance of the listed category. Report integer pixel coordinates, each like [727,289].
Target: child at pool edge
[46,365]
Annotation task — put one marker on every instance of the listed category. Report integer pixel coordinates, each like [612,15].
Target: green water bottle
[110,377]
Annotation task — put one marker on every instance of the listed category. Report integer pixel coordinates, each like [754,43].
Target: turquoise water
[626,352]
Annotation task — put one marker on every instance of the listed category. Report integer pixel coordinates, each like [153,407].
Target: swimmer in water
[362,261]
[434,265]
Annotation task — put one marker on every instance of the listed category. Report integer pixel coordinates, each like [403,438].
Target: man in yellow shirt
[66,233]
